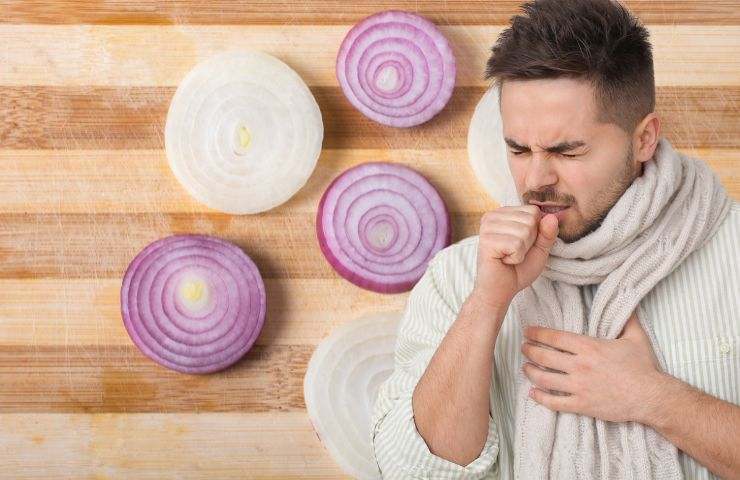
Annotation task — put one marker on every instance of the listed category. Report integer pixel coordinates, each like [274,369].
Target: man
[577,102]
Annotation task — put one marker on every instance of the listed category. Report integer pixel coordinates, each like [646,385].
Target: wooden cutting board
[84,185]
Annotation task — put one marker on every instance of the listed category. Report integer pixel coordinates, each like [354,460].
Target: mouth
[550,207]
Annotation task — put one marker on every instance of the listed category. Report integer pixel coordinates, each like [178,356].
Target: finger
[549,380]
[520,214]
[508,248]
[530,216]
[532,210]
[511,227]
[547,233]
[560,339]
[560,403]
[516,230]
[547,357]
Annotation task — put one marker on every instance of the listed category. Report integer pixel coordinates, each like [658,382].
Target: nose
[539,172]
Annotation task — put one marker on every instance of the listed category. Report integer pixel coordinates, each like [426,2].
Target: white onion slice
[397,68]
[379,224]
[341,385]
[193,303]
[487,151]
[243,132]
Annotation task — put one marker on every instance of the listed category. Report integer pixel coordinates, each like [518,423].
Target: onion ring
[396,68]
[379,223]
[193,303]
[487,152]
[341,386]
[243,132]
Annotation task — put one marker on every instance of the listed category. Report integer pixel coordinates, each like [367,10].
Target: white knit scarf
[669,211]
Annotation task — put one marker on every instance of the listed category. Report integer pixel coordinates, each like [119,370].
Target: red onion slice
[193,303]
[243,132]
[341,386]
[379,224]
[396,68]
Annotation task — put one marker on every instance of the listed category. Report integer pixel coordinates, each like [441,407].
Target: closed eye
[514,152]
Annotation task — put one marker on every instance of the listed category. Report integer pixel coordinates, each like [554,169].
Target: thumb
[546,235]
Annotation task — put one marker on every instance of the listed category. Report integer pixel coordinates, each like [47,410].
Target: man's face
[588,176]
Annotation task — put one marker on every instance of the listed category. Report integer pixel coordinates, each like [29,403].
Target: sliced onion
[341,385]
[397,68]
[487,151]
[193,303]
[379,224]
[243,132]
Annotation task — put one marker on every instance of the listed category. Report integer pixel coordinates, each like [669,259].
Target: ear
[645,137]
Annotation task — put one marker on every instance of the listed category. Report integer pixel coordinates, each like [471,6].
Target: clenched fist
[514,243]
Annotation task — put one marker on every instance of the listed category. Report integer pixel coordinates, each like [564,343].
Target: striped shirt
[695,315]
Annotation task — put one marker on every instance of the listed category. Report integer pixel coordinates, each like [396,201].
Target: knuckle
[576,384]
[582,366]
[536,354]
[490,216]
[547,356]
[548,380]
[578,403]
[568,365]
[529,208]
[524,230]
[588,349]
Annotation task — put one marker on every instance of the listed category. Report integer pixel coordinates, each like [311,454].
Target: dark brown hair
[595,40]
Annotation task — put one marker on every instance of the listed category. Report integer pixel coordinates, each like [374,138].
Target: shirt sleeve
[400,451]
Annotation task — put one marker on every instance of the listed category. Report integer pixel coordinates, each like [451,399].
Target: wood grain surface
[84,185]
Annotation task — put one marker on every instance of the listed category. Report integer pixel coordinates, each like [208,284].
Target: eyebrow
[559,148]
